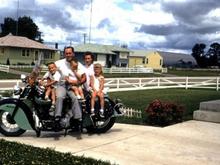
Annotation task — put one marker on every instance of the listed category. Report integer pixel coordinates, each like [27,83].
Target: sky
[165,25]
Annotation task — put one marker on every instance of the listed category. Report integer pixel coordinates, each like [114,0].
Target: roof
[173,58]
[138,53]
[22,42]
[100,49]
[142,53]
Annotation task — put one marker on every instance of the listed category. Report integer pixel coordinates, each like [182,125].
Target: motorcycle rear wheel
[8,126]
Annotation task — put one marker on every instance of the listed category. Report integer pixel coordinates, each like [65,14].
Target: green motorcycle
[29,111]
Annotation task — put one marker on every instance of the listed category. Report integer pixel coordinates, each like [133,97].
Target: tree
[213,54]
[198,52]
[209,58]
[9,26]
[26,28]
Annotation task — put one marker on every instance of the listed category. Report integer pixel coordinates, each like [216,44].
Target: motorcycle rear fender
[116,108]
[23,117]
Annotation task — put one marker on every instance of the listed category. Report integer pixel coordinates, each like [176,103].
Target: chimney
[56,45]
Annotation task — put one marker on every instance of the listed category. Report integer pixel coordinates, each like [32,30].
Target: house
[17,50]
[107,55]
[177,60]
[147,59]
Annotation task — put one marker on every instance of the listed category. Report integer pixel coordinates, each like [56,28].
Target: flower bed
[163,113]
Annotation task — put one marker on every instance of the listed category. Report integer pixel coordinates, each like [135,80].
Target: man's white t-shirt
[65,69]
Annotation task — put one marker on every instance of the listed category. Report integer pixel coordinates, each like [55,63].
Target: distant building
[18,50]
[147,59]
[107,55]
[177,60]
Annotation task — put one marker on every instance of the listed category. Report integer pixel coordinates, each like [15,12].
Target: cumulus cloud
[154,24]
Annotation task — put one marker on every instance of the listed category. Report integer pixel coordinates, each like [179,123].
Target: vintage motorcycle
[28,110]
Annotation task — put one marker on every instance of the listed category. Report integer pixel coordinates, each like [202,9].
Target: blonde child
[75,76]
[53,77]
[97,85]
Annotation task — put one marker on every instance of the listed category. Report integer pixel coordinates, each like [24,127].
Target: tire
[102,125]
[8,127]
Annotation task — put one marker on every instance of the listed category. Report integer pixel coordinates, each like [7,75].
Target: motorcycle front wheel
[8,126]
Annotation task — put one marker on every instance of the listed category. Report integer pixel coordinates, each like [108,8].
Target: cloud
[153,24]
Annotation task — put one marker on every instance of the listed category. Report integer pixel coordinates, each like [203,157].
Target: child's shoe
[47,98]
[52,110]
[101,113]
[92,112]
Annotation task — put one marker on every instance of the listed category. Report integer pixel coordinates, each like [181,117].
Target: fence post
[217,81]
[140,83]
[158,82]
[187,81]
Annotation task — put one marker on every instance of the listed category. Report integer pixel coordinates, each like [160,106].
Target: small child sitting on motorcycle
[75,75]
[53,77]
[97,85]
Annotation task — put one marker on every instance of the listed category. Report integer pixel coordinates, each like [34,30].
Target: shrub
[163,113]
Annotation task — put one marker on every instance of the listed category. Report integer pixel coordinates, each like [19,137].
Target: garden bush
[163,113]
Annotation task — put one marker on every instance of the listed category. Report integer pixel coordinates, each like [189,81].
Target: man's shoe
[57,126]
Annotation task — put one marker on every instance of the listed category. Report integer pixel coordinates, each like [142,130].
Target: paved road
[191,142]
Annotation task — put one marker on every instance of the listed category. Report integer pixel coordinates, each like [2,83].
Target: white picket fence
[128,84]
[4,68]
[130,112]
[127,70]
[105,70]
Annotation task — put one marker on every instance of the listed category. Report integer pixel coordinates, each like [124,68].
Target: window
[2,50]
[28,53]
[23,52]
[160,62]
[48,55]
[143,61]
[146,60]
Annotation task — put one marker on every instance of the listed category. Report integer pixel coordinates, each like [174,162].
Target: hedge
[13,153]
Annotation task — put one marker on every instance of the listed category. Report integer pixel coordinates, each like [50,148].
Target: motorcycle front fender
[23,116]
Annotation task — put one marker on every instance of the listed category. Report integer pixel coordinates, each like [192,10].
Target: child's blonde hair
[97,65]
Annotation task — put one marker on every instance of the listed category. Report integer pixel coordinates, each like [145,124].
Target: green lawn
[192,73]
[4,76]
[190,98]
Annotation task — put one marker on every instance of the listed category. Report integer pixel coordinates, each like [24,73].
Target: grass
[192,73]
[16,153]
[4,76]
[190,98]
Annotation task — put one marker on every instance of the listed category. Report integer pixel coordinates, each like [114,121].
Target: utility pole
[16,32]
[90,24]
[84,38]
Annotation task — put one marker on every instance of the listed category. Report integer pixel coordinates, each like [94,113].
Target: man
[89,68]
[63,66]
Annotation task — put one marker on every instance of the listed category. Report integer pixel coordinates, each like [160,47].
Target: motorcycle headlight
[17,90]
[23,78]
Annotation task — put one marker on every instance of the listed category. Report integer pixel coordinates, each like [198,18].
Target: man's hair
[89,54]
[68,47]
[50,63]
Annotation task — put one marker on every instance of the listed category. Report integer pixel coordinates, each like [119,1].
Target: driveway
[191,142]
